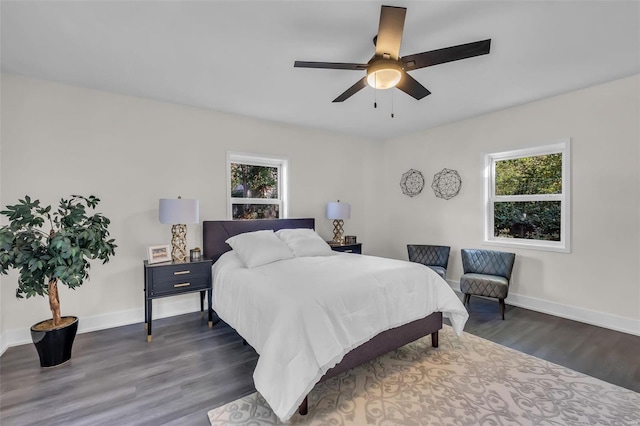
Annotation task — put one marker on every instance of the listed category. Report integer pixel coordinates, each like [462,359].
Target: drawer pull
[348,251]
[182,285]
[181,272]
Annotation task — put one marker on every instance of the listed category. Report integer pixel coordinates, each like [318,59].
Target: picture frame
[159,254]
[350,239]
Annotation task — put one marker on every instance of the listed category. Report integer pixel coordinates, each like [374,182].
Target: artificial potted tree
[49,247]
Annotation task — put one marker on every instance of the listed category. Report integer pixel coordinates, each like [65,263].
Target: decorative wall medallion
[412,183]
[446,184]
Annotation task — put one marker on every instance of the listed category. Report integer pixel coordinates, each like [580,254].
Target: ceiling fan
[387,69]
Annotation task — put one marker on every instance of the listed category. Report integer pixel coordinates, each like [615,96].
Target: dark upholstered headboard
[216,232]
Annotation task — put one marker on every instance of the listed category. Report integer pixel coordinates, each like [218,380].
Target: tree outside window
[527,198]
[257,186]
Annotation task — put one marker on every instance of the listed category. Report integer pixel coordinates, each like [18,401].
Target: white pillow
[304,242]
[259,248]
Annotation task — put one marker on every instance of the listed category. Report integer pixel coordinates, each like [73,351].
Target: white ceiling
[237,56]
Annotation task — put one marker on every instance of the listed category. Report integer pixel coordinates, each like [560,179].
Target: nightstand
[171,279]
[347,248]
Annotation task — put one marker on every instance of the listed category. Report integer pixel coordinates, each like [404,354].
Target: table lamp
[179,212]
[338,211]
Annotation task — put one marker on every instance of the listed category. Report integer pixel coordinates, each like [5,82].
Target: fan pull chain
[392,102]
[375,92]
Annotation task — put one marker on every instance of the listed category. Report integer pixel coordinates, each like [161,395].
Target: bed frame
[215,233]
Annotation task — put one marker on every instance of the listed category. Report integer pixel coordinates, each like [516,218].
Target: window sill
[528,244]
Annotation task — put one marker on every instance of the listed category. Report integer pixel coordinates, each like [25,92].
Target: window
[527,198]
[257,187]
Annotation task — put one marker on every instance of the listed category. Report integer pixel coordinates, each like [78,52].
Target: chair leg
[501,301]
[467,298]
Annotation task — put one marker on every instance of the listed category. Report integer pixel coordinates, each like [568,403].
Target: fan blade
[390,31]
[360,84]
[448,54]
[411,87]
[331,65]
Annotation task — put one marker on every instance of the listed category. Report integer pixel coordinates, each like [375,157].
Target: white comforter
[304,314]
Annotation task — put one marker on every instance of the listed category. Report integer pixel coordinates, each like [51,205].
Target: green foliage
[536,175]
[249,181]
[541,174]
[255,211]
[532,220]
[74,237]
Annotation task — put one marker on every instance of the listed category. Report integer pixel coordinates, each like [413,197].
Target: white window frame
[564,245]
[282,164]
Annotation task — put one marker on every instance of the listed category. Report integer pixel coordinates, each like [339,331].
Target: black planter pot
[54,346]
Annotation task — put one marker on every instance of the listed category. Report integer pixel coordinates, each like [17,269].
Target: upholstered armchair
[435,257]
[486,273]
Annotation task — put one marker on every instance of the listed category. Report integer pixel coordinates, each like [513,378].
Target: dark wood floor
[117,378]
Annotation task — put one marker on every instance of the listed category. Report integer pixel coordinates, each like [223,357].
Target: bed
[241,296]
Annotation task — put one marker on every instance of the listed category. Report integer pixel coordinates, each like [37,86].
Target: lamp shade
[338,210]
[179,211]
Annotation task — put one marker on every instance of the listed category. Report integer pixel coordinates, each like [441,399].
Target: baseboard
[161,309]
[600,319]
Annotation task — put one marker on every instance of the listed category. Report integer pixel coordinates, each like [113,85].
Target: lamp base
[338,231]
[179,243]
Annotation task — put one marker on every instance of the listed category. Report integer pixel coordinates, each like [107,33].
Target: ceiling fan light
[384,74]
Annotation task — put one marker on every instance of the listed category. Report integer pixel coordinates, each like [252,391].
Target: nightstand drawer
[179,285]
[180,272]
[348,248]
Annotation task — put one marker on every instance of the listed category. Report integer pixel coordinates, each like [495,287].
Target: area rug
[466,381]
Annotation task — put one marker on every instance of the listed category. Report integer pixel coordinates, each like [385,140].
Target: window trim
[260,160]
[563,147]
